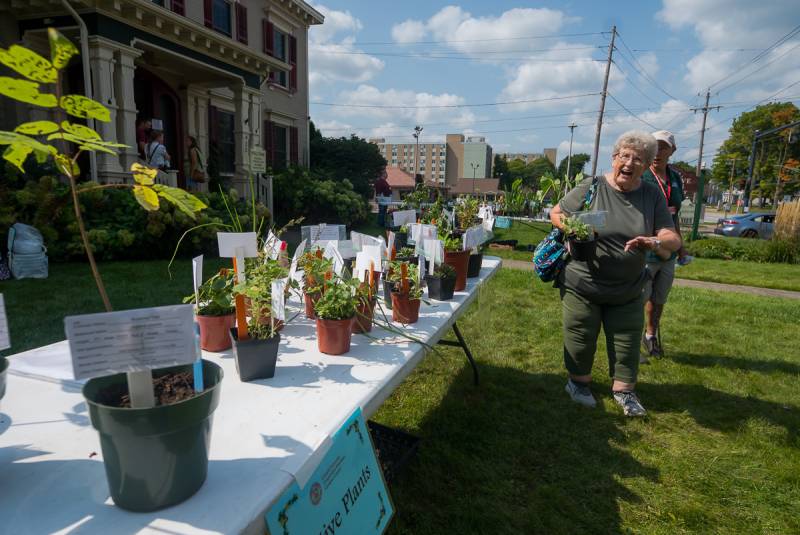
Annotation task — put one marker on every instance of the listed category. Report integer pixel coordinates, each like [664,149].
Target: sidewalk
[751,290]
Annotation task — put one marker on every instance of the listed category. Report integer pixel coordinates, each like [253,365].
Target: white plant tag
[197,277]
[296,259]
[420,270]
[333,253]
[403,217]
[390,242]
[5,339]
[130,340]
[278,303]
[229,242]
[362,266]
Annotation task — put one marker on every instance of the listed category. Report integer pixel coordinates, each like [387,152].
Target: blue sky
[379,53]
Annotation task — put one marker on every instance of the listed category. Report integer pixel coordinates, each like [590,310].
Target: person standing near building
[382,189]
[143,127]
[661,268]
[156,153]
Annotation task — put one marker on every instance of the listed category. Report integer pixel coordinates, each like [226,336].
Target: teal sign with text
[346,493]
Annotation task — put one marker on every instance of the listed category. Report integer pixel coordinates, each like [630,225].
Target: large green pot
[3,375]
[155,457]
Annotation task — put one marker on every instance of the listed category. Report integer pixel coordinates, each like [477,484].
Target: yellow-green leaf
[7,138]
[37,128]
[94,147]
[146,197]
[25,91]
[80,131]
[182,199]
[29,64]
[16,154]
[61,48]
[146,176]
[65,165]
[85,108]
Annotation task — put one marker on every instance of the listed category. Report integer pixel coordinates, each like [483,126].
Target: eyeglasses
[629,158]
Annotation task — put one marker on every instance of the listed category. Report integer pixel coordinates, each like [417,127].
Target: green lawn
[719,453]
[779,276]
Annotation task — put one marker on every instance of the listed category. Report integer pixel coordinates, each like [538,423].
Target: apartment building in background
[232,74]
[528,157]
[443,164]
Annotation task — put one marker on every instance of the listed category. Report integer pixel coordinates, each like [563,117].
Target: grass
[778,276]
[719,453]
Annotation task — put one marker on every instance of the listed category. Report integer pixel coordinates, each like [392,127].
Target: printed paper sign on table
[130,340]
[474,236]
[323,232]
[420,233]
[345,495]
[230,242]
[5,339]
[403,217]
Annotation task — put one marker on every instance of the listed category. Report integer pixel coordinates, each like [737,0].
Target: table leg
[463,345]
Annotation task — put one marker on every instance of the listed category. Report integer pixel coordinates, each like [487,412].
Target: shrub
[317,198]
[117,226]
[746,249]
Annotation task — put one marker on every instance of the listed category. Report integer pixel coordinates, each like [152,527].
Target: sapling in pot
[580,238]
[365,304]
[442,283]
[215,311]
[455,256]
[315,269]
[335,311]
[406,292]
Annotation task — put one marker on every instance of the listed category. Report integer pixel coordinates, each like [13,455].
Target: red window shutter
[241,23]
[269,37]
[294,148]
[208,13]
[269,146]
[178,7]
[293,63]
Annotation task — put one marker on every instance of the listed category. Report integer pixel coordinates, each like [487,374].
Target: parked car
[752,225]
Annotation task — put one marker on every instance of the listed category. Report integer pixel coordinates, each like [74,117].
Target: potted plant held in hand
[442,283]
[335,311]
[581,239]
[406,292]
[215,311]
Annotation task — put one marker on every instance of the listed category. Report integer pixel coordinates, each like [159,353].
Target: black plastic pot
[155,457]
[440,289]
[474,267]
[582,250]
[3,374]
[400,240]
[255,359]
[387,293]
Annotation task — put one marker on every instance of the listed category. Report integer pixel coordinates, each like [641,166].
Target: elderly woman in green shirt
[607,290]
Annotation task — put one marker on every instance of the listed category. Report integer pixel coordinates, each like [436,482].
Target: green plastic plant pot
[155,457]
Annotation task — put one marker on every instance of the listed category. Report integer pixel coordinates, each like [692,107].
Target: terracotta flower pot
[310,299]
[460,262]
[363,319]
[404,310]
[214,331]
[333,336]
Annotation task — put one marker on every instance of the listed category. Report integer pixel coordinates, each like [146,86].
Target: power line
[631,113]
[382,106]
[643,72]
[636,87]
[758,56]
[528,59]
[758,70]
[446,51]
[530,37]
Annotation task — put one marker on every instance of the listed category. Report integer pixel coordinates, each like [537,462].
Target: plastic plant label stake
[278,305]
[229,242]
[272,247]
[296,259]
[241,320]
[431,253]
[5,339]
[140,389]
[332,252]
[390,242]
[420,270]
[197,368]
[197,277]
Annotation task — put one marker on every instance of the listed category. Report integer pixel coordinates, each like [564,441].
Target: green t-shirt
[615,276]
[675,191]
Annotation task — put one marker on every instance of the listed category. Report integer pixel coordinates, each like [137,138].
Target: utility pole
[417,132]
[474,168]
[730,185]
[603,101]
[569,157]
[699,201]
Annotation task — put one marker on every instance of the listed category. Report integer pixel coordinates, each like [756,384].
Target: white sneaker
[630,403]
[580,394]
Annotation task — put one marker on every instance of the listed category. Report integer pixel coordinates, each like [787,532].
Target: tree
[501,171]
[579,161]
[537,169]
[683,166]
[771,153]
[353,159]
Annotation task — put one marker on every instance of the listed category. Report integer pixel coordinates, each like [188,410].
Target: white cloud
[724,25]
[331,60]
[408,32]
[469,34]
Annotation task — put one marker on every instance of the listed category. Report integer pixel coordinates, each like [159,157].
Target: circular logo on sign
[315,494]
